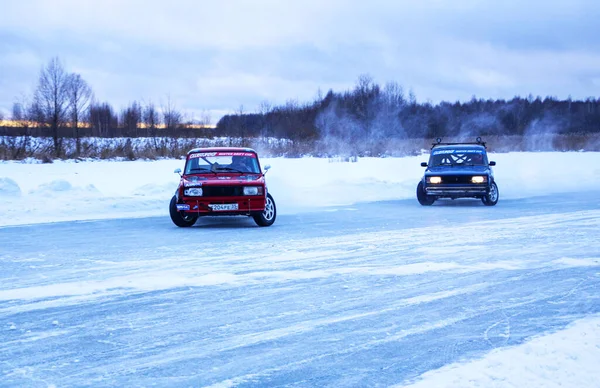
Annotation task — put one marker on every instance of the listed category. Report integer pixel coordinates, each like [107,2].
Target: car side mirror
[423,164]
[267,167]
[492,163]
[177,171]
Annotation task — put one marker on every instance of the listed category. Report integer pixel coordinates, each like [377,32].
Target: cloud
[218,55]
[180,25]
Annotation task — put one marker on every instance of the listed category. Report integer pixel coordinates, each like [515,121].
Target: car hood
[224,179]
[463,170]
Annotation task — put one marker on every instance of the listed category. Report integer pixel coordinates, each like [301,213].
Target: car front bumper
[246,205]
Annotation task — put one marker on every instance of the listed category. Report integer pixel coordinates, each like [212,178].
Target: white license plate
[224,207]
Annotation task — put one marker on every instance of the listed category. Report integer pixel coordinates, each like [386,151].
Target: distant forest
[358,120]
[371,112]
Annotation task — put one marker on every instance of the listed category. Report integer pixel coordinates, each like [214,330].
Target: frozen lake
[370,294]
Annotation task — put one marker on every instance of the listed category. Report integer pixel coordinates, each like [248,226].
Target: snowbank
[9,188]
[68,190]
[567,358]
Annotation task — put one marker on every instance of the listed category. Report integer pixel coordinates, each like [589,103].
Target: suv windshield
[222,162]
[458,157]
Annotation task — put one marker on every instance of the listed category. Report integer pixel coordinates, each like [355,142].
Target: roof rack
[478,141]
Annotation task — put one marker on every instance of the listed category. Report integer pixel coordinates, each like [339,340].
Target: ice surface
[339,292]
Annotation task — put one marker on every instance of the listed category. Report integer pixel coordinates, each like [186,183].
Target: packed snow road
[363,295]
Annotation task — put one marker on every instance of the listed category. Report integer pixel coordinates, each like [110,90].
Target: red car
[222,181]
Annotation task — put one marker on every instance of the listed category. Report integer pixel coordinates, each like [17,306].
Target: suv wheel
[180,219]
[492,197]
[422,197]
[267,217]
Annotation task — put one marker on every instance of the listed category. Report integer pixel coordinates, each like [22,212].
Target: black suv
[458,170]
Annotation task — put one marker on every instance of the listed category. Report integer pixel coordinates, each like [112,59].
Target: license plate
[223,207]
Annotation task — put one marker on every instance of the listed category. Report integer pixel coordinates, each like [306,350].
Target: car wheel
[492,197]
[422,196]
[179,218]
[267,217]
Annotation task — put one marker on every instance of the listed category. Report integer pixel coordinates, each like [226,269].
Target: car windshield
[458,157]
[222,162]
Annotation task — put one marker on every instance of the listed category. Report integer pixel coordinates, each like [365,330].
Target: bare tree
[103,120]
[264,108]
[394,94]
[17,111]
[171,116]
[131,118]
[151,121]
[150,117]
[22,114]
[241,124]
[412,97]
[51,100]
[80,95]
[205,118]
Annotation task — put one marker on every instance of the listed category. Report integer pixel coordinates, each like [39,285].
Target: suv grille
[456,179]
[222,191]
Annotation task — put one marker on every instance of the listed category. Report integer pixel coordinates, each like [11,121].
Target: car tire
[267,217]
[492,197]
[422,197]
[180,218]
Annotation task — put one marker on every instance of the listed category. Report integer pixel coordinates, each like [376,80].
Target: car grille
[456,179]
[222,191]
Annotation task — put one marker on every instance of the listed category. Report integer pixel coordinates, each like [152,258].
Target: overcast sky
[219,55]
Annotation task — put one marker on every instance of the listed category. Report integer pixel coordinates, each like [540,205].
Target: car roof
[221,149]
[458,146]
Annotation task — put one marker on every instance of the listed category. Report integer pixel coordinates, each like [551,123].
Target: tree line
[361,120]
[369,115]
[63,105]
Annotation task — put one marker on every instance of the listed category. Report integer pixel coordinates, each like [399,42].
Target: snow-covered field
[355,284]
[63,191]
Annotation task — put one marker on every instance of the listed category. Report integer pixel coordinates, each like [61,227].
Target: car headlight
[188,183]
[193,192]
[253,190]
[434,179]
[479,179]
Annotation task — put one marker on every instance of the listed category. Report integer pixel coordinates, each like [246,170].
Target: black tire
[492,197]
[267,217]
[423,199]
[180,218]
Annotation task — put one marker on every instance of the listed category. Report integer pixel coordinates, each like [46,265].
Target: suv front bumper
[457,191]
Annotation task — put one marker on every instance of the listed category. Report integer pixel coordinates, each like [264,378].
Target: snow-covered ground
[567,358]
[63,191]
[355,284]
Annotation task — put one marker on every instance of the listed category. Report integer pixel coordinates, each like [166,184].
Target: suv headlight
[253,190]
[434,179]
[479,179]
[193,192]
